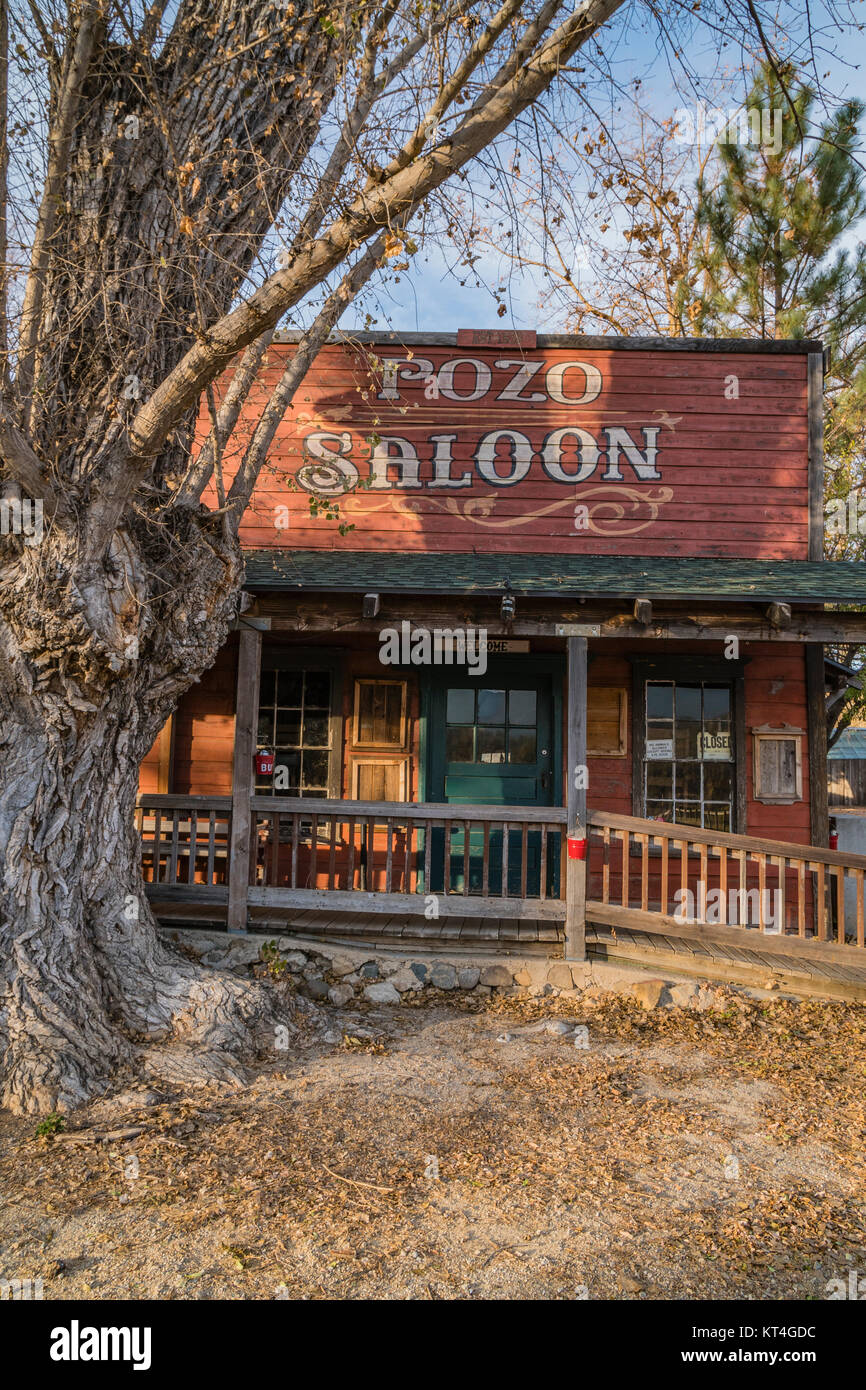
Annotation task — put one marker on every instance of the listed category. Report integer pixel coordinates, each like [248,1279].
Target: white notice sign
[659,748]
[714,748]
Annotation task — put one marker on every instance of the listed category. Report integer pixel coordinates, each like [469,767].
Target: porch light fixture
[508,606]
[370,605]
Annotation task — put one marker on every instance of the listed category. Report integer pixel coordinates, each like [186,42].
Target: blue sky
[429,298]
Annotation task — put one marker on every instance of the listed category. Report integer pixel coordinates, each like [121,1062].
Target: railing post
[576,825]
[246,714]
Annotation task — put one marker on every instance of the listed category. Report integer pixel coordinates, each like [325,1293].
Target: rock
[332,1036]
[496,976]
[649,993]
[522,977]
[316,988]
[214,958]
[295,960]
[419,969]
[383,993]
[629,1285]
[557,1027]
[340,966]
[369,970]
[340,995]
[443,976]
[405,979]
[468,976]
[560,976]
[683,994]
[483,990]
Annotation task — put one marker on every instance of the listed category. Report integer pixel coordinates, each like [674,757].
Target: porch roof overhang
[558,576]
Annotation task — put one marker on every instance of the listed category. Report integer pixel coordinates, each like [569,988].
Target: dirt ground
[451,1148]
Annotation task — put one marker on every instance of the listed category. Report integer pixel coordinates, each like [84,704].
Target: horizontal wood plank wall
[733,471]
[204,732]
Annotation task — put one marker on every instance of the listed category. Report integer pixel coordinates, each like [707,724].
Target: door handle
[545,781]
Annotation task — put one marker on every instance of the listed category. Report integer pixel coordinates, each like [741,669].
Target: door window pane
[460,744]
[521,745]
[460,707]
[491,745]
[521,706]
[491,707]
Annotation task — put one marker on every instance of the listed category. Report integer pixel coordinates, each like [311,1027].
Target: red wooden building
[491,578]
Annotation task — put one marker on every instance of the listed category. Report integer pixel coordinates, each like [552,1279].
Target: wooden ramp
[723,961]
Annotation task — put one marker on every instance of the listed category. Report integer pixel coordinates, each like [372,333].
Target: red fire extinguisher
[264,762]
[834,839]
[576,847]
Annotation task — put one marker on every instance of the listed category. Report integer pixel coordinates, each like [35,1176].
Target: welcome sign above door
[521,447]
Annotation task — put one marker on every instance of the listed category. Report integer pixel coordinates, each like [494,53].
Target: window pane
[689,781]
[315,769]
[521,706]
[316,730]
[459,744]
[491,707]
[688,738]
[717,781]
[717,817]
[266,688]
[266,727]
[317,690]
[521,745]
[660,781]
[491,745]
[717,701]
[460,706]
[289,687]
[688,702]
[659,700]
[688,813]
[659,810]
[288,729]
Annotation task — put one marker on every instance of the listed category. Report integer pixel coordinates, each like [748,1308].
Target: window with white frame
[689,773]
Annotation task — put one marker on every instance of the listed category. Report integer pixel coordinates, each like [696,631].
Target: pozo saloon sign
[502,457]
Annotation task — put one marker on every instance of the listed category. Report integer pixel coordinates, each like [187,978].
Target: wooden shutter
[606,722]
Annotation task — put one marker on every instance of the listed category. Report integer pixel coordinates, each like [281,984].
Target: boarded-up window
[380,714]
[379,779]
[778,764]
[605,722]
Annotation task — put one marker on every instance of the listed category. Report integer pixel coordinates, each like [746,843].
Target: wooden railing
[641,872]
[185,843]
[384,856]
[506,861]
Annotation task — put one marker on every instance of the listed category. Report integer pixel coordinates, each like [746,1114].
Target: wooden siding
[731,474]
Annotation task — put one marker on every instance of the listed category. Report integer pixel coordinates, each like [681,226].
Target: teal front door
[491,743]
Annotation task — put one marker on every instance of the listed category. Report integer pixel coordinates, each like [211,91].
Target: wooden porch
[469,878]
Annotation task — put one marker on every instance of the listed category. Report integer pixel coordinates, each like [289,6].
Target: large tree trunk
[86,980]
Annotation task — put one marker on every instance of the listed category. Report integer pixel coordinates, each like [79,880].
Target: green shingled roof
[545,576]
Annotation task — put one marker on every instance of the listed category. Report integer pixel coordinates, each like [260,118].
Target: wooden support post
[246,715]
[576,826]
[816,725]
